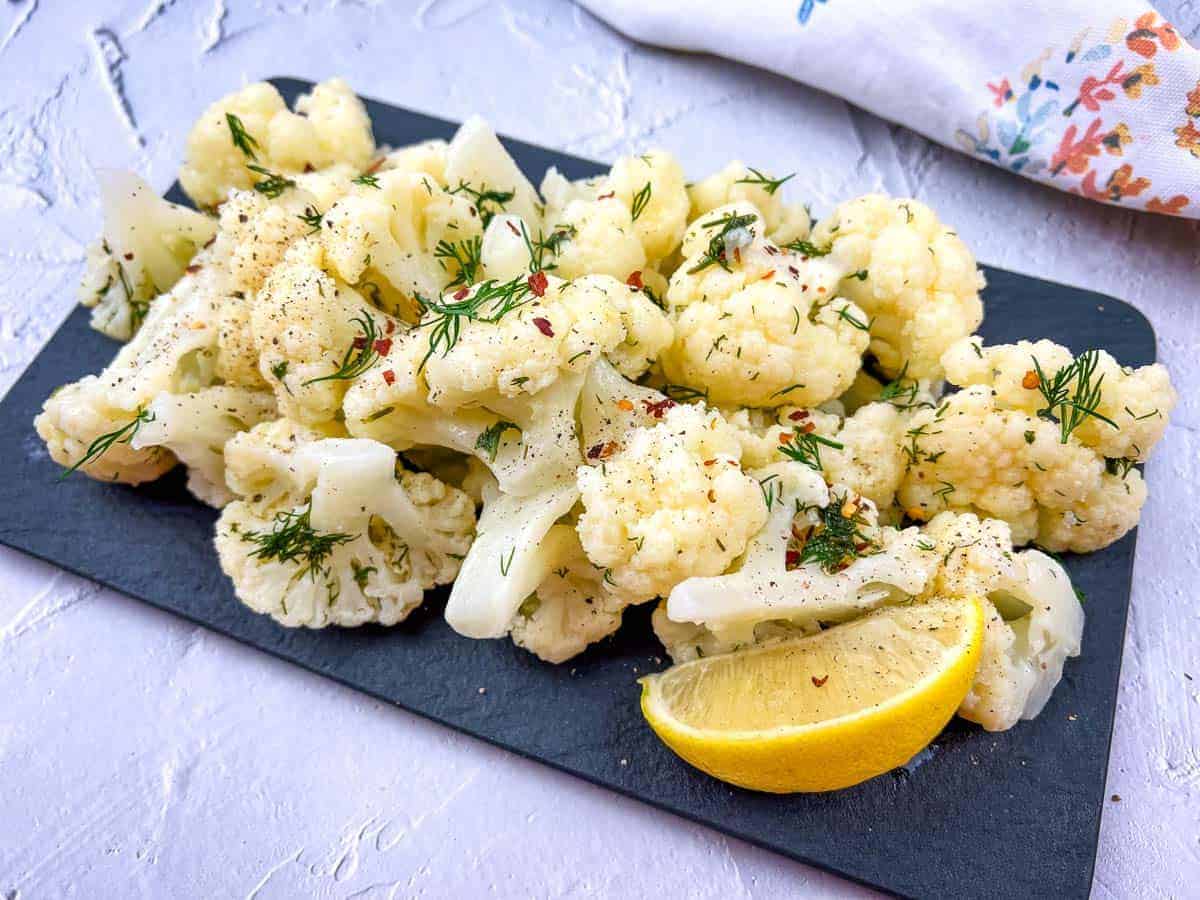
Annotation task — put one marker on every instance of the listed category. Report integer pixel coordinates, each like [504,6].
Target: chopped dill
[293,539]
[489,439]
[640,200]
[715,254]
[806,448]
[770,185]
[359,356]
[104,442]
[242,139]
[1072,394]
[273,184]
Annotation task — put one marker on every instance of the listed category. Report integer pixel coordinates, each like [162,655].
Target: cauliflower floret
[1034,619]
[515,550]
[256,232]
[353,540]
[601,239]
[147,243]
[970,455]
[652,185]
[570,608]
[871,458]
[478,166]
[309,328]
[1136,402]
[405,231]
[495,373]
[914,277]
[768,344]
[195,428]
[89,424]
[737,183]
[611,407]
[254,126]
[672,503]
[428,157]
[845,565]
[685,641]
[648,331]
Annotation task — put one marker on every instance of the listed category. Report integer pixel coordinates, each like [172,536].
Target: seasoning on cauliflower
[1127,408]
[255,234]
[350,538]
[478,166]
[1034,618]
[913,276]
[757,336]
[147,243]
[737,183]
[672,503]
[314,335]
[820,557]
[253,127]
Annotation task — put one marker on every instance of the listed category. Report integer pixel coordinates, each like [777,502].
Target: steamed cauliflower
[1034,618]
[670,504]
[755,325]
[349,537]
[253,126]
[737,183]
[913,277]
[146,245]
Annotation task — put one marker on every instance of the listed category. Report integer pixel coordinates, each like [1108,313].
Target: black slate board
[1008,815]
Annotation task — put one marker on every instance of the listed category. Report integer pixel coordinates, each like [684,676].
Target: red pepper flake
[785,437]
[656,409]
[792,558]
[543,325]
[820,290]
[859,548]
[210,242]
[635,280]
[461,293]
[389,376]
[808,428]
[804,287]
[737,254]
[390,327]
[602,451]
[625,405]
[607,196]
[193,268]
[820,682]
[1030,381]
[710,462]
[712,496]
[795,273]
[359,342]
[537,284]
[767,275]
[129,256]
[512,228]
[799,415]
[308,167]
[374,166]
[771,249]
[383,346]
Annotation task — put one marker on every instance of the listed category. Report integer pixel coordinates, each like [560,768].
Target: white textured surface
[141,756]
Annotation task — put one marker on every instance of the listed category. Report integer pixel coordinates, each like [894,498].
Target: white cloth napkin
[1096,97]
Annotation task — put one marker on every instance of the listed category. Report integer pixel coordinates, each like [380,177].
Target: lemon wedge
[825,711]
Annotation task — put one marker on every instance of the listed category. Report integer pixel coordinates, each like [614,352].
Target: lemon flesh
[826,711]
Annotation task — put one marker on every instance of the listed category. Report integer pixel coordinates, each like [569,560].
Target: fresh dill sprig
[640,200]
[489,439]
[716,252]
[487,201]
[1119,466]
[489,302]
[366,179]
[293,539]
[770,185]
[462,258]
[806,448]
[273,184]
[852,320]
[1071,395]
[311,218]
[359,356]
[838,539]
[104,443]
[805,248]
[902,392]
[681,393]
[242,139]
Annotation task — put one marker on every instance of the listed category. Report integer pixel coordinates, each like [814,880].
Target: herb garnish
[487,202]
[1071,395]
[102,444]
[640,200]
[292,538]
[805,248]
[359,356]
[311,218]
[445,325]
[242,139]
[273,184]
[465,256]
[838,539]
[716,252]
[806,448]
[366,179]
[489,439]
[770,185]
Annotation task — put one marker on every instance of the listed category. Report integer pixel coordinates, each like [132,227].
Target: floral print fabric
[1095,97]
